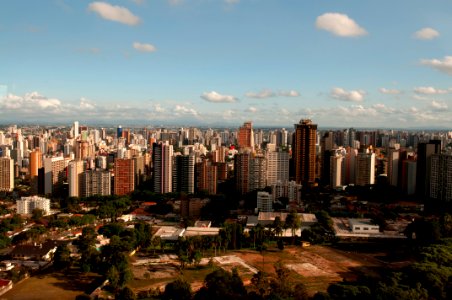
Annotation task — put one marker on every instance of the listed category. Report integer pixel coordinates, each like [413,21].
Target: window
[365,228]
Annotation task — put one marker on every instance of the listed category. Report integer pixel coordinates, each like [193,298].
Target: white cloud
[341,94]
[114,13]
[144,47]
[218,98]
[437,105]
[390,91]
[339,25]
[444,65]
[159,109]
[251,109]
[261,95]
[180,109]
[429,90]
[291,93]
[426,33]
[85,104]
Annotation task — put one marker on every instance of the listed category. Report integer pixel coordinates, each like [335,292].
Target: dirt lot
[60,286]
[318,266]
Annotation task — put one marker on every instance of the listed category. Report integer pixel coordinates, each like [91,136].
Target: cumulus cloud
[144,47]
[439,105]
[444,65]
[390,91]
[181,109]
[426,33]
[353,96]
[217,97]
[261,95]
[267,93]
[114,13]
[85,104]
[251,109]
[339,25]
[290,93]
[429,90]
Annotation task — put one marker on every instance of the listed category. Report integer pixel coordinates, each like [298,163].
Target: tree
[280,243]
[278,226]
[37,214]
[126,294]
[62,257]
[113,276]
[293,222]
[177,290]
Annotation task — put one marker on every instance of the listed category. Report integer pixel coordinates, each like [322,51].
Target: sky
[341,63]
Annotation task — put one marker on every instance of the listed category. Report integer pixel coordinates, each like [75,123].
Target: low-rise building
[26,205]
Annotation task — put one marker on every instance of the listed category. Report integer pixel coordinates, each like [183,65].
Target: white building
[75,170]
[363,226]
[26,205]
[277,167]
[264,202]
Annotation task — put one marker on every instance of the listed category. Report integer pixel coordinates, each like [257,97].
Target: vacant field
[60,286]
[317,266]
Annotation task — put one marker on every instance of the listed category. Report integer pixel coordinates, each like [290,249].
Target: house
[363,226]
[36,252]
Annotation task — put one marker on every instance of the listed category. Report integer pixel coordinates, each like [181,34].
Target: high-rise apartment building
[54,174]
[162,157]
[424,153]
[440,183]
[393,166]
[304,151]
[6,174]
[184,173]
[124,181]
[245,136]
[95,182]
[75,170]
[365,168]
[264,202]
[277,167]
[206,177]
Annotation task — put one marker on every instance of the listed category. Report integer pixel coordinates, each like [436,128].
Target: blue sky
[213,62]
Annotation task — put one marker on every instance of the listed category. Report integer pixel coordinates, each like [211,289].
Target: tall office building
[184,173]
[206,177]
[95,182]
[140,171]
[365,168]
[75,170]
[304,151]
[76,129]
[35,164]
[440,183]
[162,157]
[119,132]
[335,172]
[245,136]
[6,174]
[277,167]
[54,174]
[424,153]
[124,181]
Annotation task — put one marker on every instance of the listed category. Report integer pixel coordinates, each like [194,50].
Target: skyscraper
[277,167]
[75,170]
[424,152]
[440,183]
[95,182]
[206,177]
[53,174]
[365,168]
[124,176]
[162,157]
[245,137]
[6,174]
[304,151]
[184,173]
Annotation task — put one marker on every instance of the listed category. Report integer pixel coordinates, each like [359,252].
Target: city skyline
[224,62]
